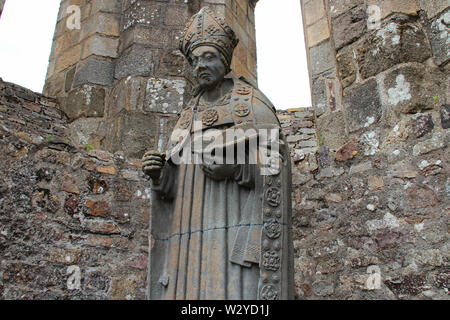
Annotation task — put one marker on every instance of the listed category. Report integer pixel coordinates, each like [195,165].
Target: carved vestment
[223,238]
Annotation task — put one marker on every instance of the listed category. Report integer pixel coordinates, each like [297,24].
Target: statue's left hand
[219,171]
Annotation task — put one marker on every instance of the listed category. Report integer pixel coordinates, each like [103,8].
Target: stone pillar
[322,71]
[2,3]
[120,76]
[380,75]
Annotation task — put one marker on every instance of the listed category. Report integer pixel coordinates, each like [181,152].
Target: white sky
[27,27]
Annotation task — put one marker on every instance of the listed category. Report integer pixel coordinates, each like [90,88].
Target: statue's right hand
[152,163]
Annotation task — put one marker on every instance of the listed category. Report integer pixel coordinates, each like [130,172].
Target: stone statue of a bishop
[221,202]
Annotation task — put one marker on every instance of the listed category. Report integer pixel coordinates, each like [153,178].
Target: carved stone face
[209,68]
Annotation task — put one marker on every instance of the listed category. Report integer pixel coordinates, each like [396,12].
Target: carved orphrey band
[271,239]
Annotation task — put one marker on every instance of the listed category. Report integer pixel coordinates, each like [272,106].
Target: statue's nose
[201,65]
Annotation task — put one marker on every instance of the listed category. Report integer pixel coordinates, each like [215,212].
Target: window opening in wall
[282,62]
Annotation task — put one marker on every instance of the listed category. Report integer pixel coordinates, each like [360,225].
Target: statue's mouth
[205,76]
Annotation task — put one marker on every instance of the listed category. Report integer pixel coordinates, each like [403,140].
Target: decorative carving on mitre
[205,28]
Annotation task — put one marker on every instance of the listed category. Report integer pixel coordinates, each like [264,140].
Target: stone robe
[222,238]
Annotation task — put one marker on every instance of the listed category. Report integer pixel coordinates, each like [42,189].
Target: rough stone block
[349,27]
[396,42]
[154,37]
[146,13]
[338,7]
[433,8]
[100,46]
[54,86]
[438,141]
[85,101]
[136,61]
[95,71]
[166,96]
[445,116]
[413,88]
[109,6]
[132,132]
[128,94]
[84,132]
[318,32]
[410,7]
[176,15]
[319,96]
[346,66]
[313,11]
[68,58]
[439,35]
[321,58]
[69,79]
[103,23]
[362,105]
[422,124]
[331,130]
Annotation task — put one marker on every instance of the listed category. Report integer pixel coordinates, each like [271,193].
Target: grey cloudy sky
[27,27]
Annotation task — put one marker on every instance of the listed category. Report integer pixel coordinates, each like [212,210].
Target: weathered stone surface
[394,43]
[100,46]
[319,95]
[409,7]
[347,151]
[70,75]
[438,141]
[331,128]
[439,35]
[95,71]
[313,11]
[338,7]
[141,13]
[403,169]
[421,197]
[346,65]
[102,227]
[422,124]
[130,131]
[107,24]
[375,183]
[318,32]
[360,167]
[432,8]
[321,58]
[97,208]
[349,26]
[362,105]
[413,88]
[85,101]
[166,96]
[135,61]
[445,116]
[323,288]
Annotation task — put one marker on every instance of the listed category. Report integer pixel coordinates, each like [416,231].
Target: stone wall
[66,213]
[372,204]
